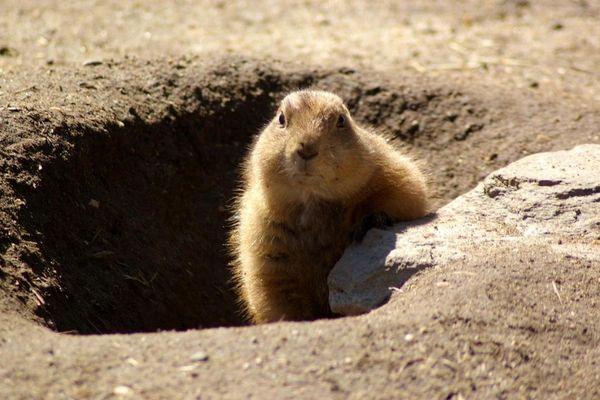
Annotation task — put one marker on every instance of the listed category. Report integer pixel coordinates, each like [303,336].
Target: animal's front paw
[375,220]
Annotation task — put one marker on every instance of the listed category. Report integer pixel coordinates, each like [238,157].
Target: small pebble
[413,128]
[132,361]
[122,391]
[491,157]
[199,357]
[87,85]
[470,128]
[451,116]
[92,63]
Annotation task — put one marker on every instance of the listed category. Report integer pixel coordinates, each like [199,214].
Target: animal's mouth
[303,168]
[304,165]
[307,172]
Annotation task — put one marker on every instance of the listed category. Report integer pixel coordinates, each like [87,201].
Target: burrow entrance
[133,223]
[130,221]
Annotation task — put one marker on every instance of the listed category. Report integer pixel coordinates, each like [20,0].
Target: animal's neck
[289,205]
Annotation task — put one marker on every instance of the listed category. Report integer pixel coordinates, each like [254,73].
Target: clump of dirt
[114,211]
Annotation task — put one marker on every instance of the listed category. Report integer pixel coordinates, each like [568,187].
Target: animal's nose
[307,151]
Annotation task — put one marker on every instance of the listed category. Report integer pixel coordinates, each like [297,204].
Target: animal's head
[312,147]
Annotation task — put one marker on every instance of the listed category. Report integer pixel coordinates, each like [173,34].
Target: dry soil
[122,126]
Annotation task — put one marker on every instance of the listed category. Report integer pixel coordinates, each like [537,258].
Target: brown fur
[295,216]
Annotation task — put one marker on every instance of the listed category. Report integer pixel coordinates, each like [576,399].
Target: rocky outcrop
[549,199]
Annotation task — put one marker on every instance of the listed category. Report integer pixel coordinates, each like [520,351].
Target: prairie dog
[311,177]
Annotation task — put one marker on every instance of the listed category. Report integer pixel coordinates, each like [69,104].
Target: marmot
[312,175]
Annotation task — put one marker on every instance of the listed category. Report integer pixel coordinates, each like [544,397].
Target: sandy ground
[546,43]
[85,85]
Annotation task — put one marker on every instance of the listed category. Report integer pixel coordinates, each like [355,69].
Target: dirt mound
[115,198]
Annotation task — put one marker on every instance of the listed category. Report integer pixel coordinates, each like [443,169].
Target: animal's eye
[281,120]
[341,121]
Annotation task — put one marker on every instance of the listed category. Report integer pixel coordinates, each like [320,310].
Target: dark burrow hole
[133,222]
